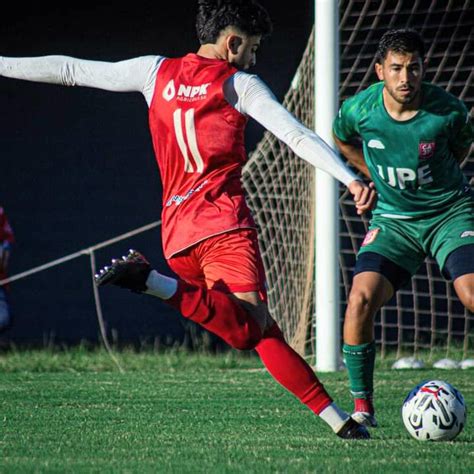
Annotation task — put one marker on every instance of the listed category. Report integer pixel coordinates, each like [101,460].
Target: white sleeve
[131,75]
[253,97]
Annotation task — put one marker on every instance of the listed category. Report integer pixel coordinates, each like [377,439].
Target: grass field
[73,411]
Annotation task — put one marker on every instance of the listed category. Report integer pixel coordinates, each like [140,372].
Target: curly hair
[400,41]
[215,15]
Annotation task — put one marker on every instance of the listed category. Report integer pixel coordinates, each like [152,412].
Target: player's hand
[364,195]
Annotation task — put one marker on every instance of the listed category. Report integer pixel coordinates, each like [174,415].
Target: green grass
[174,412]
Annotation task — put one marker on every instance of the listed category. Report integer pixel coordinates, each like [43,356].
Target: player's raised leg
[242,326]
[199,304]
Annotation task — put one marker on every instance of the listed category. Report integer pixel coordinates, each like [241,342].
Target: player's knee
[246,338]
[250,333]
[361,305]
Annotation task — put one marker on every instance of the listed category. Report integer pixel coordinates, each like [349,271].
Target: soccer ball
[434,410]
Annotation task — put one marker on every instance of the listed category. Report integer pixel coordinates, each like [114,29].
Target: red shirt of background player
[6,236]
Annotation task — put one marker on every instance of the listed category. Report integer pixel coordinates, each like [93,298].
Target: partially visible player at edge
[7,239]
[415,135]
[198,108]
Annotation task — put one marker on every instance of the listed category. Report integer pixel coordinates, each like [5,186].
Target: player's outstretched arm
[260,103]
[132,75]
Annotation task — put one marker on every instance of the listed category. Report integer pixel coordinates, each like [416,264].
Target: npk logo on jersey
[186,93]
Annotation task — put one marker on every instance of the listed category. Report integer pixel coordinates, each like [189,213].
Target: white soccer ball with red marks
[434,411]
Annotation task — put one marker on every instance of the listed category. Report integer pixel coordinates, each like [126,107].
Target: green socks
[360,362]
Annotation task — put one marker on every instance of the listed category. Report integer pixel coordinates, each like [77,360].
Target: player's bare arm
[353,154]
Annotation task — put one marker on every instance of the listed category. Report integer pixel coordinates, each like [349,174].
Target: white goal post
[326,81]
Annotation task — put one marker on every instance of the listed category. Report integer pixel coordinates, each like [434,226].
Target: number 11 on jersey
[189,147]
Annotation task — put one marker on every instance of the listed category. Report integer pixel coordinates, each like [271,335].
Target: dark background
[77,166]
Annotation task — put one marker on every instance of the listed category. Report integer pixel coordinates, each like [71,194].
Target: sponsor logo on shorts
[467,233]
[426,150]
[370,237]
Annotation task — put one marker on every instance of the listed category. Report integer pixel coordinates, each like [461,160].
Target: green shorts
[407,242]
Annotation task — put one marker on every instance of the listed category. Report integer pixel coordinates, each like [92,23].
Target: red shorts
[229,262]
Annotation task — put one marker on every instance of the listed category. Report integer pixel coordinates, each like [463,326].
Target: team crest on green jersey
[426,150]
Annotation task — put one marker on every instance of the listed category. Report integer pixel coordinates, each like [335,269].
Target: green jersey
[411,162]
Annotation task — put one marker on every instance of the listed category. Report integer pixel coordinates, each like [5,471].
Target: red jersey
[198,138]
[6,236]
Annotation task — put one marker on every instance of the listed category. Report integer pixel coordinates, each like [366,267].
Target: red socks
[289,369]
[364,405]
[218,313]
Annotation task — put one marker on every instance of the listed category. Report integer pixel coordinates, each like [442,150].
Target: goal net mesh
[426,314]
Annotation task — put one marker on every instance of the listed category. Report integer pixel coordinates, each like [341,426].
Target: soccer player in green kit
[414,136]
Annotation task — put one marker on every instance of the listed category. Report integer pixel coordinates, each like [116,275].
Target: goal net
[424,315]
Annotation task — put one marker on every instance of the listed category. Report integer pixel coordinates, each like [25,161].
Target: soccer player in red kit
[198,108]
